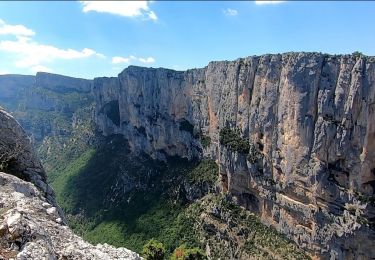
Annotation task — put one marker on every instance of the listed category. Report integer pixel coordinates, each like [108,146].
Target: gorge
[288,137]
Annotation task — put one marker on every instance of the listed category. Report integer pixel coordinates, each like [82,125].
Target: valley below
[264,157]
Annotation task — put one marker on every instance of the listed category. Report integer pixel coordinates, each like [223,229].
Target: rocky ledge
[31,228]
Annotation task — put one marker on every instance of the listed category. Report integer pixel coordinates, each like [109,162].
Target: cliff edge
[309,119]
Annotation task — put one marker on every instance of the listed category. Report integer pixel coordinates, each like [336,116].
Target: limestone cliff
[17,156]
[31,223]
[310,116]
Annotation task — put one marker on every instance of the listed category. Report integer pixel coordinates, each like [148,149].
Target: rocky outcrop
[31,228]
[17,156]
[31,223]
[309,115]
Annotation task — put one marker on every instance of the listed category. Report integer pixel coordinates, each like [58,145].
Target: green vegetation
[205,140]
[357,54]
[153,250]
[205,172]
[255,240]
[184,253]
[254,155]
[64,101]
[231,138]
[90,189]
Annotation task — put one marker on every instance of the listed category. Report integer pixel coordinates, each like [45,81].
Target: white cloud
[123,8]
[31,53]
[117,60]
[147,60]
[152,16]
[34,55]
[17,30]
[230,12]
[132,58]
[260,2]
[2,72]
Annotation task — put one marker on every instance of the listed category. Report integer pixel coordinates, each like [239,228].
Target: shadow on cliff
[113,196]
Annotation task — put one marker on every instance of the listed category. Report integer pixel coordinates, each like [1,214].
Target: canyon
[307,121]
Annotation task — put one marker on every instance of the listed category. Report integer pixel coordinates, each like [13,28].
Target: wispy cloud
[230,12]
[260,2]
[131,58]
[147,60]
[140,9]
[34,55]
[17,30]
[118,60]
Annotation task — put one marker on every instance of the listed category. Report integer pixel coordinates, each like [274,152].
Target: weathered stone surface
[30,228]
[311,115]
[17,156]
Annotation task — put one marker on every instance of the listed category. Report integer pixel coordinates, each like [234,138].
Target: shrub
[357,54]
[183,253]
[205,140]
[153,250]
[205,172]
[231,138]
[254,155]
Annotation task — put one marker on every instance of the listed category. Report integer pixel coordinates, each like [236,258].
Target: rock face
[311,117]
[49,105]
[17,156]
[31,223]
[31,228]
[12,88]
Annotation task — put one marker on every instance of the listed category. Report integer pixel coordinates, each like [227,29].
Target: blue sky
[92,39]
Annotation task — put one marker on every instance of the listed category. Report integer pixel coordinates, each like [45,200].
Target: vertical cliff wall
[310,116]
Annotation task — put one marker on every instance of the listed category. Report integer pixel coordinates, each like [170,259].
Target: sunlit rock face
[311,116]
[32,228]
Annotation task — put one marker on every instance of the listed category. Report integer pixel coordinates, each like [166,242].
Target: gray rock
[312,116]
[28,232]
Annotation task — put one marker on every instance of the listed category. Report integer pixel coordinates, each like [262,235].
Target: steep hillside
[55,110]
[31,223]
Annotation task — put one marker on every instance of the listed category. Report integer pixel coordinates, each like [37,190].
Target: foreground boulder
[31,228]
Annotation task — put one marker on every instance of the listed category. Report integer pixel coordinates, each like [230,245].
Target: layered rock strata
[311,117]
